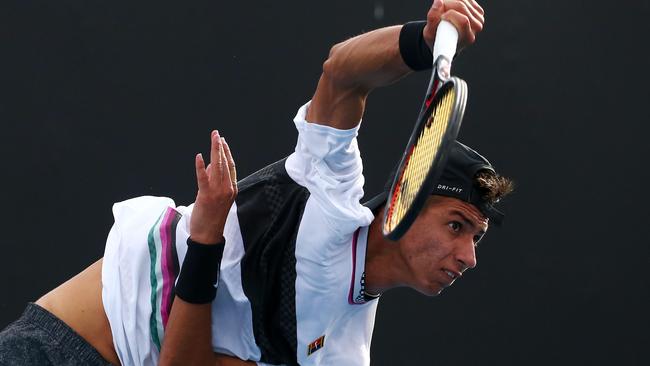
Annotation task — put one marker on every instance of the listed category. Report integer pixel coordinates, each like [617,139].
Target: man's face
[440,245]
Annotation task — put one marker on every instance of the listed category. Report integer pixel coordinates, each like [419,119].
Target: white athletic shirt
[290,289]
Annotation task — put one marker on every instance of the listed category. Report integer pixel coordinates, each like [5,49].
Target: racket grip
[446,41]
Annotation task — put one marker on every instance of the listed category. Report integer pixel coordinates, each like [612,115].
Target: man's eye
[455,226]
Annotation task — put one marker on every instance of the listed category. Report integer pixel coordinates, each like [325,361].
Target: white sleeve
[328,163]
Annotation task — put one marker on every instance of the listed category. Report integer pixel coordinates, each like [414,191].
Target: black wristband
[200,272]
[414,50]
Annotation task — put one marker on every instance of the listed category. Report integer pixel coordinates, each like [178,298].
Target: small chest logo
[316,345]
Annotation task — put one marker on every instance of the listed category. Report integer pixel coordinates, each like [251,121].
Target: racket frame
[438,85]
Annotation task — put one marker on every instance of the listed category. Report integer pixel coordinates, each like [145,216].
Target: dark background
[103,100]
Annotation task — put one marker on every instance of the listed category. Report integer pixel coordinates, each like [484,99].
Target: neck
[385,268]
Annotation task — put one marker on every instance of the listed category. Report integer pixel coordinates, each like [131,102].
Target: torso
[271,283]
[78,303]
[284,260]
[86,313]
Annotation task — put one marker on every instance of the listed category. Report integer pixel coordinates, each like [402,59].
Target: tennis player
[285,267]
[304,262]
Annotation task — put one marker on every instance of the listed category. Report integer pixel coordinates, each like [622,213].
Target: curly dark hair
[493,186]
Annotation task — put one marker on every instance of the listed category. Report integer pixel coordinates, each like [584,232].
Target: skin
[78,302]
[361,64]
[442,239]
[434,243]
[188,338]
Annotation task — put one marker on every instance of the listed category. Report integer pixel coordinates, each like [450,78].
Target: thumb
[435,13]
[433,19]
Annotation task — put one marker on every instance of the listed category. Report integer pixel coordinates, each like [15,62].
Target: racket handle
[445,45]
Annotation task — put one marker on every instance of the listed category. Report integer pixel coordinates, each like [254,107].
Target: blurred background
[101,101]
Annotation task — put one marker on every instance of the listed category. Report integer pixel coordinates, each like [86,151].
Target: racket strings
[421,158]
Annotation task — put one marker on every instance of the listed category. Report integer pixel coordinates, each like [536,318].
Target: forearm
[367,61]
[188,335]
[353,69]
[357,66]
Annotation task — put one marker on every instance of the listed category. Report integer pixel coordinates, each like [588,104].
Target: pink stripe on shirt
[165,264]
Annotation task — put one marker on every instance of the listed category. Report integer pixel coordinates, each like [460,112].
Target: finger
[213,148]
[462,23]
[433,18]
[476,23]
[201,175]
[215,155]
[231,165]
[222,160]
[470,8]
[477,7]
[225,173]
[208,169]
[436,10]
[474,9]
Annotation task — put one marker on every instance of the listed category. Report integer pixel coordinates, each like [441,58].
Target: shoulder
[328,163]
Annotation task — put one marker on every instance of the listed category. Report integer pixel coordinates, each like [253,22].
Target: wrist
[199,274]
[207,239]
[413,47]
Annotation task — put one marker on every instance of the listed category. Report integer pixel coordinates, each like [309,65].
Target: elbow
[337,68]
[332,67]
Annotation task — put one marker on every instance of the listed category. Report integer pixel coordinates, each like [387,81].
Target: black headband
[457,181]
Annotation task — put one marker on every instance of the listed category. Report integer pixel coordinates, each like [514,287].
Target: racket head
[425,156]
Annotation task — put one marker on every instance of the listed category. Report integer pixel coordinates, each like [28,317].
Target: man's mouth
[450,274]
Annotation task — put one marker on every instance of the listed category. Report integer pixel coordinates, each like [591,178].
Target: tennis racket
[435,130]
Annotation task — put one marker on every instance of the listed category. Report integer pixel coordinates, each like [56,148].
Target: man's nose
[466,255]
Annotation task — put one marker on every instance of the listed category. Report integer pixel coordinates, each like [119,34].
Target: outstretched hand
[217,190]
[466,15]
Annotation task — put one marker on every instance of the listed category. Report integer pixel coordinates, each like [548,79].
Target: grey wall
[101,101]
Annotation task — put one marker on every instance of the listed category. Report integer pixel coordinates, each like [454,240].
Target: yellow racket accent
[422,156]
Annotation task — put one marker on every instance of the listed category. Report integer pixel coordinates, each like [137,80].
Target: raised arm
[357,66]
[188,337]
